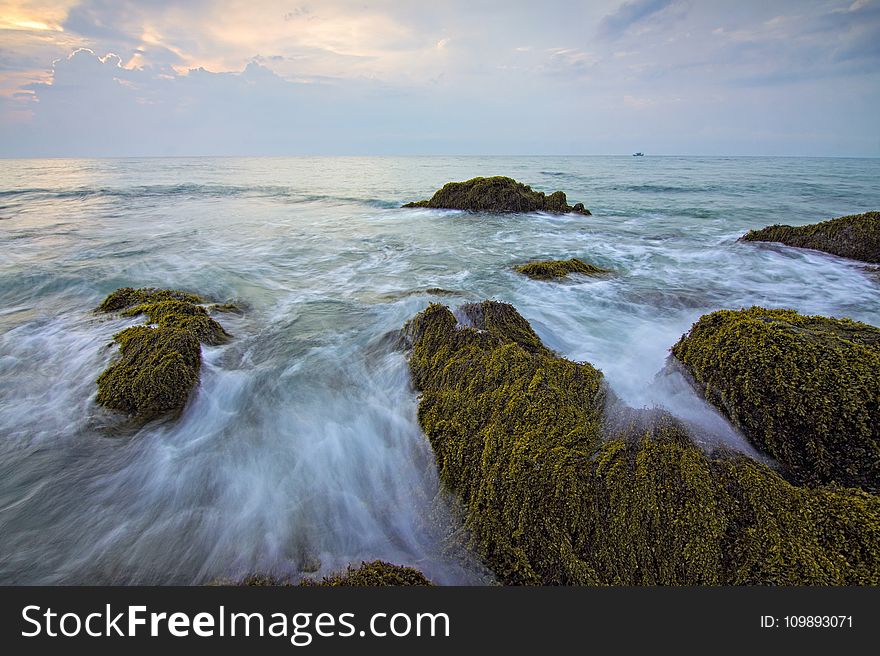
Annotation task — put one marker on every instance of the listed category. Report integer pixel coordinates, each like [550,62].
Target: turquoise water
[300,448]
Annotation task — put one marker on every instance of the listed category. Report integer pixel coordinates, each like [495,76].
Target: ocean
[300,452]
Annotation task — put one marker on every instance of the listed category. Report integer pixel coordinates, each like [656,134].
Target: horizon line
[420,155]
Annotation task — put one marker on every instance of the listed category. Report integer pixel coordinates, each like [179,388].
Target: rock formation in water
[805,390]
[159,363]
[373,574]
[498,194]
[550,495]
[856,236]
[553,269]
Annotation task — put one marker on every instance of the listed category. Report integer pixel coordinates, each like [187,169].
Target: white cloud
[417,76]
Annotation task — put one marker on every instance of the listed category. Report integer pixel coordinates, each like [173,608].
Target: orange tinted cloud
[33,16]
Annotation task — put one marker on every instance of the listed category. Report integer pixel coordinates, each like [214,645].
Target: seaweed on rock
[182,315]
[159,364]
[856,236]
[377,573]
[803,389]
[226,308]
[126,297]
[255,581]
[549,499]
[498,194]
[552,269]
[373,574]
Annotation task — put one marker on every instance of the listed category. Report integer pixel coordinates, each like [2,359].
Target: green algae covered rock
[661,511]
[373,574]
[856,236]
[159,364]
[127,297]
[254,581]
[377,573]
[805,390]
[552,269]
[549,498]
[181,315]
[225,308]
[504,414]
[498,194]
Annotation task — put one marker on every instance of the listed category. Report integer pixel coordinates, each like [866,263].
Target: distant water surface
[300,450]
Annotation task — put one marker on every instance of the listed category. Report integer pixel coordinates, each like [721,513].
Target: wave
[666,189]
[188,190]
[372,202]
[661,212]
[133,192]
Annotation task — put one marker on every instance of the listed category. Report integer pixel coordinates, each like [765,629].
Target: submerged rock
[552,269]
[226,308]
[805,390]
[498,194]
[377,573]
[548,498]
[159,364]
[426,291]
[856,236]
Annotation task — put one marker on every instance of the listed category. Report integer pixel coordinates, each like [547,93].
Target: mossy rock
[553,269]
[377,573]
[664,512]
[803,389]
[255,581]
[856,236]
[127,297]
[182,315]
[159,364]
[226,308]
[498,194]
[548,498]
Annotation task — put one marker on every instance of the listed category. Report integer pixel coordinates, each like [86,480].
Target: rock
[422,291]
[549,498]
[551,269]
[805,390]
[182,315]
[159,364]
[498,194]
[226,308]
[127,297]
[255,581]
[373,574]
[856,236]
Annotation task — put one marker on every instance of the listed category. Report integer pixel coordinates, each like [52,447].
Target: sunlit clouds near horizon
[150,77]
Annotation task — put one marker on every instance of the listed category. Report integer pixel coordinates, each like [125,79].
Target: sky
[337,77]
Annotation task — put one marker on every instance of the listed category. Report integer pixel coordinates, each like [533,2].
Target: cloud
[94,106]
[282,77]
[638,103]
[803,47]
[572,57]
[629,14]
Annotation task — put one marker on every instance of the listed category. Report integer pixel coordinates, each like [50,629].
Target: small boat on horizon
[638,154]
